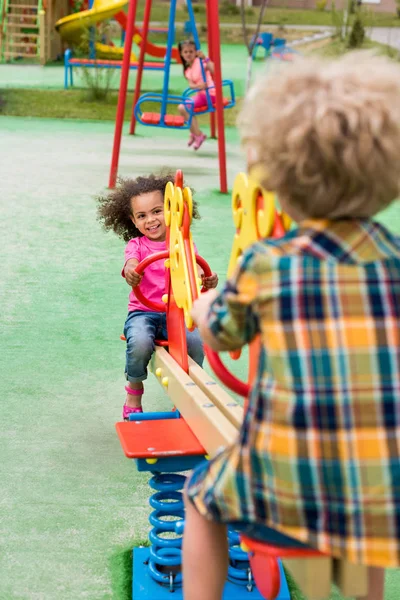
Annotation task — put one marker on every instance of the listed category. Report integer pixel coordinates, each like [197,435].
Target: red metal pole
[123,86]
[211,55]
[145,33]
[213,17]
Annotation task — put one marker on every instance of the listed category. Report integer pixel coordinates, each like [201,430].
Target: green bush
[357,34]
[98,79]
[321,5]
[227,8]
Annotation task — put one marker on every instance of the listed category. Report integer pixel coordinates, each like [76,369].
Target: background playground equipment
[73,28]
[266,41]
[273,47]
[27,29]
[162,118]
[214,53]
[70,63]
[207,418]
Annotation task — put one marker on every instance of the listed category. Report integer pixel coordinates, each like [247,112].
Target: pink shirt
[153,283]
[194,75]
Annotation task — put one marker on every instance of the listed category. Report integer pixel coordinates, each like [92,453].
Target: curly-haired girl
[135,212]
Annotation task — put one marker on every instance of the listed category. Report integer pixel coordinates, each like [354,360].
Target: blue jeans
[141,330]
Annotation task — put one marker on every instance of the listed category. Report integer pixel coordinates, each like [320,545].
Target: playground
[72,505]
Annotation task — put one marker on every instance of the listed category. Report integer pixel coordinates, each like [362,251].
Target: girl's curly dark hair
[115,212]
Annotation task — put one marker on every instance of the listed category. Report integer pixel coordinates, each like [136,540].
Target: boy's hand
[201,306]
[210,282]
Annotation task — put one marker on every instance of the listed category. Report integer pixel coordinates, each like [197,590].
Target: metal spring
[165,552]
[239,571]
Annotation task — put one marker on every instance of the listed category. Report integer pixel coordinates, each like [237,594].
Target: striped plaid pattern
[318,452]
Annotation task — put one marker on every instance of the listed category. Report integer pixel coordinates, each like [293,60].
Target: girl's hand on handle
[210,282]
[201,54]
[132,278]
[202,86]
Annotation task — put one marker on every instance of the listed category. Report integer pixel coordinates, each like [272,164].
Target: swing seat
[228,102]
[150,118]
[160,118]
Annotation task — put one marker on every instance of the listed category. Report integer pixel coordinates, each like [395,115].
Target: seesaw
[206,418]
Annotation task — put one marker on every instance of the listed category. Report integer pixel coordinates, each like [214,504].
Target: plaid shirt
[318,452]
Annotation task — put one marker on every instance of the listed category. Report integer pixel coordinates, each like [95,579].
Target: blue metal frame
[155,415]
[92,36]
[68,66]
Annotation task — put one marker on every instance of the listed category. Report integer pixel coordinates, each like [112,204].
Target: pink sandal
[199,139]
[128,410]
[192,139]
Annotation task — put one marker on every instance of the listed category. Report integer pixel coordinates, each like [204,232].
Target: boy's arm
[200,311]
[228,320]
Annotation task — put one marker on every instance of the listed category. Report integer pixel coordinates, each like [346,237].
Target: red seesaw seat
[158,438]
[171,120]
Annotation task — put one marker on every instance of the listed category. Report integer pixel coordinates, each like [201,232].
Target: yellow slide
[73,26]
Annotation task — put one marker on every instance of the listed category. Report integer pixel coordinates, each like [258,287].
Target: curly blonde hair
[326,134]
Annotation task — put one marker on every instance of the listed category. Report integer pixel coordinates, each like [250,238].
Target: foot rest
[265,567]
[312,571]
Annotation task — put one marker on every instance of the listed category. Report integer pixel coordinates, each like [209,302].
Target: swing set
[163,118]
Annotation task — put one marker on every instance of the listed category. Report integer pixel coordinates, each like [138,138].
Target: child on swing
[317,457]
[135,212]
[191,60]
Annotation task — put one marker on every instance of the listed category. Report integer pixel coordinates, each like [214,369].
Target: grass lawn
[73,104]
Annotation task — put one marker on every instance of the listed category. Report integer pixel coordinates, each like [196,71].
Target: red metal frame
[122,92]
[211,56]
[145,33]
[213,21]
[214,50]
